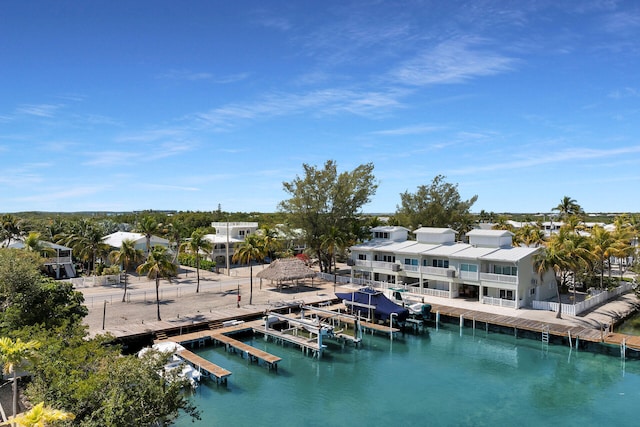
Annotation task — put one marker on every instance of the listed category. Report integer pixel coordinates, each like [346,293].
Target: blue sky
[130,105]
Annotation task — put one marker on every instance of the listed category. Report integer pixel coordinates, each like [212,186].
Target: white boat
[175,362]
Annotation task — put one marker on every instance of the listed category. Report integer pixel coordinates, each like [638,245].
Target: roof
[383,245]
[19,244]
[473,252]
[448,250]
[115,239]
[489,233]
[389,228]
[418,248]
[221,238]
[509,254]
[285,269]
[435,230]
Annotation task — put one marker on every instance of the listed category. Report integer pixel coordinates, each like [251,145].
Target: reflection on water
[440,378]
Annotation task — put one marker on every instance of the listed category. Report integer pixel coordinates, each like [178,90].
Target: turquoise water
[442,378]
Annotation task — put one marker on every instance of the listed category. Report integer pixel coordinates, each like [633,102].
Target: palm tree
[246,252]
[10,228]
[174,232]
[602,247]
[332,242]
[529,235]
[568,207]
[12,356]
[148,226]
[39,416]
[33,243]
[270,242]
[126,256]
[86,241]
[550,258]
[194,246]
[158,266]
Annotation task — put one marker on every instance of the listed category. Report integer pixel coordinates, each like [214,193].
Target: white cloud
[409,130]
[453,61]
[38,110]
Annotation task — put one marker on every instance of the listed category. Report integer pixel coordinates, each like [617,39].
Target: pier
[205,367]
[573,334]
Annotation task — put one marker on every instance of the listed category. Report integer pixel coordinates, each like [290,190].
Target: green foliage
[190,261]
[324,198]
[436,205]
[111,271]
[28,298]
[91,379]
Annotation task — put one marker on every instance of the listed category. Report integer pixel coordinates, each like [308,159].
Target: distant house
[488,268]
[115,240]
[228,235]
[58,264]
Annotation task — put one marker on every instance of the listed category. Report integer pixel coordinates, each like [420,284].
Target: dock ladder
[545,335]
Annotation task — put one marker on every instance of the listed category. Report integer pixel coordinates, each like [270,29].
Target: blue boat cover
[383,305]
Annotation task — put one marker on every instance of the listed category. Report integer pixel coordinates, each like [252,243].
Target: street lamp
[104,313]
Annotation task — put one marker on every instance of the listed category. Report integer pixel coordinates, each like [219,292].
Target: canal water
[445,377]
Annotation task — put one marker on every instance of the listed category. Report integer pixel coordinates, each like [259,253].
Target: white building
[115,240]
[228,235]
[488,268]
[58,263]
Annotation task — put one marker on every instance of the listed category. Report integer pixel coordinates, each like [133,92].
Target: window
[380,235]
[241,233]
[504,294]
[532,291]
[362,257]
[473,268]
[440,263]
[410,261]
[506,270]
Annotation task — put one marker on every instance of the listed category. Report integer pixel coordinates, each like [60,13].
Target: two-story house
[488,268]
[228,235]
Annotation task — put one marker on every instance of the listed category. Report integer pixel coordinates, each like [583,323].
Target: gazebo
[286,270]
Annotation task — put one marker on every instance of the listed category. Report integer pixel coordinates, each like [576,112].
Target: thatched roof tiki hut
[286,270]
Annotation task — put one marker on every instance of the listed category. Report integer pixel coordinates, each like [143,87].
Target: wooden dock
[210,369]
[572,333]
[307,345]
[253,354]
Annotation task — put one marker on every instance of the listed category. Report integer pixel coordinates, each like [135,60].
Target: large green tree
[568,207]
[158,266]
[90,378]
[86,239]
[27,297]
[438,204]
[323,198]
[148,226]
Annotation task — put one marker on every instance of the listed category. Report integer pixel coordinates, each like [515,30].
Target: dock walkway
[209,368]
[575,333]
[252,353]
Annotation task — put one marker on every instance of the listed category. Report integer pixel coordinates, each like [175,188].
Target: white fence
[575,309]
[90,281]
[501,302]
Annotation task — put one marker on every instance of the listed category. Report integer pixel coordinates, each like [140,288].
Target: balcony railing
[499,302]
[58,260]
[469,275]
[499,278]
[439,271]
[377,264]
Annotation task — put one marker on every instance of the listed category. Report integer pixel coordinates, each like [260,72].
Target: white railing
[90,281]
[499,278]
[575,309]
[499,302]
[469,275]
[438,271]
[375,264]
[410,268]
[58,260]
[332,277]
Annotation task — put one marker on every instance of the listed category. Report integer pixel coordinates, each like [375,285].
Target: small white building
[488,268]
[115,240]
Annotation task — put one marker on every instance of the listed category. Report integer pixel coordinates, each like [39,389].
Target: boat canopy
[368,300]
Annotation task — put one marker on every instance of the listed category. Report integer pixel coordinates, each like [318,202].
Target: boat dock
[253,354]
[204,366]
[573,334]
[333,313]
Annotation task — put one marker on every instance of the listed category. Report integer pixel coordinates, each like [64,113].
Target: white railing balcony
[58,260]
[469,275]
[499,278]
[382,265]
[439,271]
[411,268]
